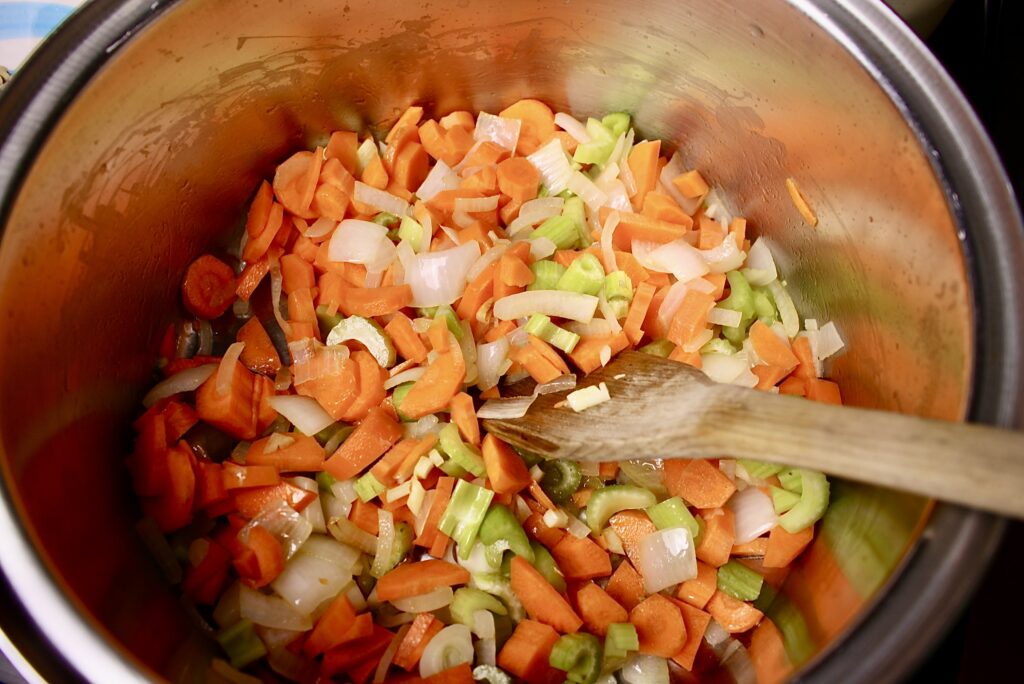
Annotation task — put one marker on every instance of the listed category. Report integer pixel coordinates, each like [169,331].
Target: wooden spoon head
[648,395]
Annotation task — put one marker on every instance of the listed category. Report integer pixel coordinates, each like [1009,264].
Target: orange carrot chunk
[626,586]
[413,579]
[525,655]
[208,288]
[698,483]
[367,443]
[597,609]
[734,615]
[541,600]
[659,624]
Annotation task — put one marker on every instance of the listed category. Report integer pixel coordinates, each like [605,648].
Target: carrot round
[506,471]
[632,527]
[292,182]
[598,609]
[538,124]
[541,600]
[734,615]
[660,626]
[699,590]
[209,287]
[435,388]
[698,483]
[413,579]
[259,210]
[518,178]
[581,559]
[371,387]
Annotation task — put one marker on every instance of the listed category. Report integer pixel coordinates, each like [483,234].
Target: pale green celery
[739,581]
[759,469]
[812,505]
[500,525]
[468,600]
[673,513]
[764,306]
[559,229]
[561,479]
[620,640]
[617,285]
[369,334]
[369,487]
[385,219]
[783,499]
[241,643]
[579,656]
[450,319]
[585,275]
[741,298]
[545,274]
[398,396]
[791,479]
[545,564]
[573,209]
[660,348]
[465,455]
[541,326]
[606,502]
[464,515]
[412,232]
[617,123]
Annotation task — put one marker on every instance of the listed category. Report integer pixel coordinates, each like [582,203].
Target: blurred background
[981,45]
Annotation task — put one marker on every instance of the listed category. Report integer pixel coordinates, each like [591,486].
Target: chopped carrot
[464,416]
[386,468]
[413,579]
[172,507]
[420,448]
[259,354]
[374,175]
[608,470]
[261,559]
[343,146]
[293,179]
[259,210]
[784,547]
[371,387]
[432,137]
[755,548]
[374,301]
[639,227]
[768,376]
[768,654]
[626,586]
[541,600]
[715,543]
[208,288]
[476,293]
[660,626]
[581,559]
[691,184]
[632,527]
[800,203]
[486,153]
[525,655]
[734,615]
[367,443]
[435,388]
[412,164]
[250,278]
[405,339]
[250,502]
[439,336]
[794,386]
[698,482]
[458,674]
[518,178]
[588,352]
[243,476]
[296,273]
[697,622]
[802,350]
[365,516]
[690,318]
[244,410]
[350,655]
[538,124]
[824,391]
[663,208]
[540,496]
[300,454]
[424,628]
[738,231]
[711,235]
[539,368]
[332,628]
[698,590]
[643,162]
[597,609]
[410,117]
[442,494]
[259,245]
[538,530]
[772,349]
[633,327]
[513,271]
[458,119]
[549,354]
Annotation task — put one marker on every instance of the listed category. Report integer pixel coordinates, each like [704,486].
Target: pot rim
[940,573]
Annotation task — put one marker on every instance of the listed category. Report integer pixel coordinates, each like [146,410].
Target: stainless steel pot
[132,141]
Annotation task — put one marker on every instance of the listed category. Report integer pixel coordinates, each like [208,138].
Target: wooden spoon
[663,409]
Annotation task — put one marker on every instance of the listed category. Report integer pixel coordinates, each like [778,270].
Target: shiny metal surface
[153,157]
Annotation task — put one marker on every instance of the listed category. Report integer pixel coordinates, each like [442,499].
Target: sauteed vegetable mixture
[314,453]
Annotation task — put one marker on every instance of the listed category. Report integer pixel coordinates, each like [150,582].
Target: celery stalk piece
[673,513]
[791,480]
[501,525]
[718,346]
[545,274]
[559,229]
[617,285]
[369,487]
[660,348]
[620,640]
[607,501]
[579,656]
[561,479]
[333,436]
[783,499]
[464,515]
[585,275]
[541,326]
[600,147]
[739,581]
[617,123]
[326,321]
[759,469]
[545,564]
[368,333]
[812,505]
[573,209]
[397,396]
[385,219]
[241,643]
[412,232]
[324,480]
[741,298]
[468,600]
[453,469]
[764,306]
[465,455]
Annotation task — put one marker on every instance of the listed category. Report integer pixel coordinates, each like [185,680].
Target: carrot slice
[588,352]
[259,354]
[697,622]
[715,544]
[541,600]
[538,124]
[424,628]
[464,416]
[784,547]
[643,162]
[639,227]
[698,590]
[292,182]
[505,469]
[259,210]
[734,615]
[301,455]
[626,586]
[364,515]
[459,674]
[768,653]
[442,494]
[334,391]
[633,327]
[343,146]
[208,288]
[690,318]
[659,624]
[243,411]
[251,501]
[367,443]
[405,339]
[373,301]
[823,390]
[371,387]
[525,655]
[250,278]
[538,530]
[598,609]
[581,559]
[518,178]
[632,527]
[771,349]
[296,273]
[332,627]
[663,208]
[435,388]
[261,560]
[698,483]
[413,579]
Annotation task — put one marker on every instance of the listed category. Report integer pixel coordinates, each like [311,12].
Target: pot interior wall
[154,162]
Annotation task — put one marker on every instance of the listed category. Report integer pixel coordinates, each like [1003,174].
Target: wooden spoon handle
[974,465]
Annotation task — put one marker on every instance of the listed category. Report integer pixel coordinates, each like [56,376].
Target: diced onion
[321,227]
[669,305]
[286,524]
[542,248]
[554,167]
[679,258]
[571,305]
[667,557]
[616,192]
[490,361]
[670,171]
[440,178]
[608,313]
[726,257]
[305,413]
[607,233]
[572,126]
[422,427]
[760,266]
[626,173]
[410,375]
[598,327]
[715,208]
[420,520]
[498,130]
[389,655]
[503,409]
[308,580]
[385,542]
[276,289]
[314,513]
[754,514]
[829,342]
[362,242]
[226,369]
[702,285]
[787,310]
[472,205]
[452,646]
[587,397]
[347,532]
[723,368]
[183,381]
[424,603]
[583,187]
[271,611]
[486,654]
[438,278]
[730,318]
[536,211]
[486,259]
[645,669]
[380,200]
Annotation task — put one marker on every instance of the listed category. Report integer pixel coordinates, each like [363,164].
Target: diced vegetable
[607,501]
[579,656]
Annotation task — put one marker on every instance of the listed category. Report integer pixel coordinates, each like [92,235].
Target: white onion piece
[679,258]
[483,624]
[498,130]
[591,195]
[502,409]
[452,646]
[829,342]
[420,519]
[740,665]
[424,603]
[572,126]
[319,228]
[754,514]
[670,305]
[311,360]
[542,248]
[787,310]
[226,369]
[471,205]
[535,211]
[373,278]
[440,178]
[671,170]
[308,580]
[625,172]
[760,267]
[701,285]
[562,383]
[725,257]
[276,290]
[314,513]
[271,611]
[699,340]
[715,208]
[486,655]
[608,313]
[468,347]
[389,655]
[717,638]
[667,557]
[572,305]
[616,192]
[362,242]
[183,381]
[486,259]
[385,542]
[411,375]
[305,413]
[645,669]
[610,171]
[598,327]
[355,596]
[422,427]
[490,361]
[723,368]
[380,200]
[438,278]
[728,318]
[607,246]
[554,167]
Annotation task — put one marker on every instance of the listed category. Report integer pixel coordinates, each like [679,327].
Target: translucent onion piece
[501,409]
[424,603]
[715,208]
[486,653]
[322,227]
[305,413]
[285,523]
[667,557]
[726,257]
[314,512]
[422,427]
[486,259]
[347,532]
[542,248]
[608,313]
[645,669]
[625,172]
[728,318]
[701,285]
[483,624]
[226,369]
[410,375]
[380,200]
[760,267]
[754,514]
[787,310]
[438,278]
[440,178]
[385,542]
[616,192]
[647,474]
[724,368]
[452,646]
[669,305]
[308,580]
[389,655]
[471,205]
[555,169]
[699,340]
[598,327]
[276,289]
[591,195]
[361,242]
[184,381]
[607,233]
[571,305]
[498,130]
[573,127]
[490,359]
[681,259]
[535,211]
[420,520]
[271,611]
[829,342]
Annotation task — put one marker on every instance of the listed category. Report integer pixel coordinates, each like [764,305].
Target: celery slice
[500,525]
[573,209]
[397,396]
[468,600]
[783,499]
[618,286]
[660,348]
[741,298]
[585,275]
[812,505]
[385,219]
[412,232]
[241,643]
[617,123]
[559,229]
[464,515]
[561,479]
[545,564]
[545,274]
[326,321]
[620,640]
[759,469]
[739,581]
[368,333]
[791,479]
[369,487]
[579,656]
[607,501]
[451,320]
[465,455]
[673,513]
[541,326]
